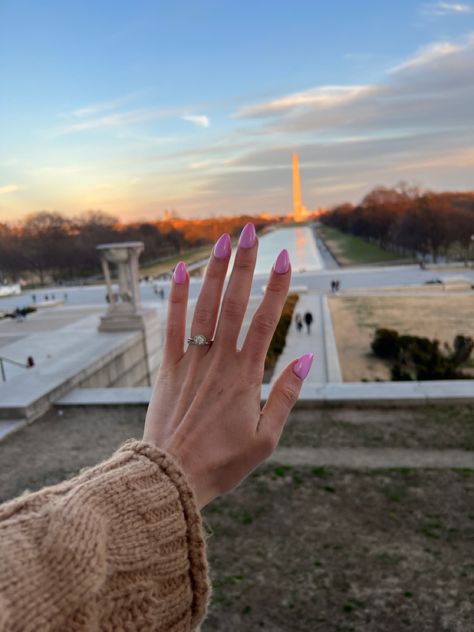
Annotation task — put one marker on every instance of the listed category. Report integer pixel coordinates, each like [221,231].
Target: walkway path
[320,341]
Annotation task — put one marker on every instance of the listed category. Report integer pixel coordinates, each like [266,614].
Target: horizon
[147,108]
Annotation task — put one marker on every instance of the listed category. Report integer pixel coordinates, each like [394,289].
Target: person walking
[298,322]
[308,319]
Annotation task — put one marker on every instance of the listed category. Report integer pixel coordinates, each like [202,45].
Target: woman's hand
[205,408]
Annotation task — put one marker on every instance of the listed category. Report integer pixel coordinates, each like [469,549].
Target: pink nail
[303,366]
[247,236]
[180,274]
[282,263]
[222,247]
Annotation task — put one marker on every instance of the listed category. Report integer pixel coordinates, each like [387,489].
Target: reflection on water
[298,241]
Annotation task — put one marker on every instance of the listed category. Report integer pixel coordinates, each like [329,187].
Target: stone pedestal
[125,312]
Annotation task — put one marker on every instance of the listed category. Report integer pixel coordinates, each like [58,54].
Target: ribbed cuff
[199,571]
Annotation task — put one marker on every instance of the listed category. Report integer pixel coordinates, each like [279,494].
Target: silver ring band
[199,340]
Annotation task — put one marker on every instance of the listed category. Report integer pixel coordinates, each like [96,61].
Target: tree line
[49,246]
[412,222]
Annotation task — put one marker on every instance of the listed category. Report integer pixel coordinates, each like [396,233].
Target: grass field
[355,319]
[349,250]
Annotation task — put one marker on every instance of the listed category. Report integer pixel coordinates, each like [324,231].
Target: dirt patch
[59,445]
[355,319]
[331,550]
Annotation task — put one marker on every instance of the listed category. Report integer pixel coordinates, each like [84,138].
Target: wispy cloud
[428,55]
[323,96]
[116,120]
[201,120]
[446,8]
[103,106]
[9,188]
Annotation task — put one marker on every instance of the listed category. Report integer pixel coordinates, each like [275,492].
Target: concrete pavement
[319,341]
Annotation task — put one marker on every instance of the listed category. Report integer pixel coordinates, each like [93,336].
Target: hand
[205,408]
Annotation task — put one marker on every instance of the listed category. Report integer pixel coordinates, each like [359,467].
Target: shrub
[419,358]
[279,337]
[385,343]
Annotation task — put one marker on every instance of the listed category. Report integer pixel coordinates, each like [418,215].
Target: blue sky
[138,107]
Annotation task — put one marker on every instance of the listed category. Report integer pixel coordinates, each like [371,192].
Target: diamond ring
[199,340]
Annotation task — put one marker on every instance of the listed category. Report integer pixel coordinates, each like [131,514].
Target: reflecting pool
[299,242]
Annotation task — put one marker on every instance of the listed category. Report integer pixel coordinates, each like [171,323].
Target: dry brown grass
[355,319]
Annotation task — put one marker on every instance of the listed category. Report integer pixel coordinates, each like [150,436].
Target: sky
[197,106]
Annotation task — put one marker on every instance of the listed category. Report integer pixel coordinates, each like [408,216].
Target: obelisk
[297,204]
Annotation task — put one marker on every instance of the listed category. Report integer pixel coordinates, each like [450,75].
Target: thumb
[283,396]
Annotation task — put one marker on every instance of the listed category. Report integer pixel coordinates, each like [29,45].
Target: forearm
[121,542]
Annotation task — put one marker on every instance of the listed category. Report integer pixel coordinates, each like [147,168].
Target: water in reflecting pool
[298,241]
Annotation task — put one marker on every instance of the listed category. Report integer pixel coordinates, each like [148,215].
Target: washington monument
[299,211]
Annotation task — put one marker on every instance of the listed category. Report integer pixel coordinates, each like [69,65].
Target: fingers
[207,306]
[268,313]
[238,290]
[282,398]
[177,308]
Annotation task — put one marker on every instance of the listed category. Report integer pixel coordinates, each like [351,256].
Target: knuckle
[265,323]
[287,395]
[213,272]
[202,315]
[232,310]
[173,329]
[243,265]
[277,285]
[176,299]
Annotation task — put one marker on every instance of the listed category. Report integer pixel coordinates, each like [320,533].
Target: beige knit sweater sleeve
[118,547]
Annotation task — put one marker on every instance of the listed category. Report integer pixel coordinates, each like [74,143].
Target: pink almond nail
[222,247]
[247,236]
[282,263]
[303,366]
[180,274]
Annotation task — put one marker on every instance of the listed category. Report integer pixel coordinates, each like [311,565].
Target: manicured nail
[222,247]
[282,263]
[303,366]
[180,273]
[247,236]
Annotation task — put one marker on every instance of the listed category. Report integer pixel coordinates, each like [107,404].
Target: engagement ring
[199,340]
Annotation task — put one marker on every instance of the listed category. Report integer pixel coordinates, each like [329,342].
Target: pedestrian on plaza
[298,322]
[33,296]
[121,546]
[308,319]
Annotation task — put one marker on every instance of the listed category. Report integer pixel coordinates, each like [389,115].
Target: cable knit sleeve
[118,547]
